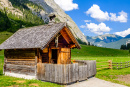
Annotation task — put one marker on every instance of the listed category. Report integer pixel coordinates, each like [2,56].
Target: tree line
[125,47]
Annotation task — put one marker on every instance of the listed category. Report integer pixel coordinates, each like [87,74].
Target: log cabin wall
[45,55]
[20,61]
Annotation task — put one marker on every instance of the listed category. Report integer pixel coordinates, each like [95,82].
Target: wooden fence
[66,73]
[103,65]
[121,65]
[112,65]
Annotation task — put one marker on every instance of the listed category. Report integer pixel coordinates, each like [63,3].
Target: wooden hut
[50,43]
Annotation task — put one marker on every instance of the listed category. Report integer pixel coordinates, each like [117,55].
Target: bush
[129,50]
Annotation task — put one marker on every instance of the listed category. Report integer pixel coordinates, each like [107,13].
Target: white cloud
[96,28]
[87,21]
[96,13]
[123,33]
[122,17]
[82,26]
[67,5]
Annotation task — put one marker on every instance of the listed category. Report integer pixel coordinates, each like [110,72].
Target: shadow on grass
[1,72]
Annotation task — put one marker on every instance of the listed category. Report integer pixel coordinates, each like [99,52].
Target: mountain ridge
[108,40]
[45,7]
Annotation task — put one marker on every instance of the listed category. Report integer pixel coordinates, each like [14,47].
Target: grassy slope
[4,36]
[98,51]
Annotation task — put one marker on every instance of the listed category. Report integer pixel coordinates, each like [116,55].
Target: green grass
[4,36]
[104,54]
[92,51]
[112,75]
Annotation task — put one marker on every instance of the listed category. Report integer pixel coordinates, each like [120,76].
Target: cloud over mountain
[123,33]
[67,5]
[96,28]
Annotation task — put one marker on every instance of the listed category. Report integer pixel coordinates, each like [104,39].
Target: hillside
[26,13]
[93,51]
[117,44]
[4,36]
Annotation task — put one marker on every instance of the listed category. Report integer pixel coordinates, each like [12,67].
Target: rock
[9,8]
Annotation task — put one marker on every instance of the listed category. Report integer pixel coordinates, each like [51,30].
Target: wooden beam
[71,46]
[49,55]
[72,36]
[62,33]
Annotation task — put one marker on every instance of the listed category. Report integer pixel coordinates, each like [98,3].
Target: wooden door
[65,56]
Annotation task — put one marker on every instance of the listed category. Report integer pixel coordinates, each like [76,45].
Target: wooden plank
[11,66]
[42,71]
[38,71]
[69,74]
[20,59]
[55,73]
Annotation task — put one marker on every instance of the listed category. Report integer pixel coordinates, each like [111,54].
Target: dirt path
[95,82]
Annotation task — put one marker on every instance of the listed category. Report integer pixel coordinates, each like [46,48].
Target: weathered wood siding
[65,73]
[91,66]
[20,61]
[60,73]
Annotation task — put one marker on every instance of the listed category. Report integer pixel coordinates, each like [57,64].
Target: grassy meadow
[86,53]
[104,54]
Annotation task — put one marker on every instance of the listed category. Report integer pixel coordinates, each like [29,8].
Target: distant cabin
[50,43]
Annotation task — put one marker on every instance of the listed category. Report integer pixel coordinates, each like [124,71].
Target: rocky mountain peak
[45,7]
[50,6]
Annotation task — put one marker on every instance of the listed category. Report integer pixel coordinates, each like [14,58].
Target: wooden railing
[121,65]
[103,65]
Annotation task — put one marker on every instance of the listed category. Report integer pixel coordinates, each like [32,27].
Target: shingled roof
[33,37]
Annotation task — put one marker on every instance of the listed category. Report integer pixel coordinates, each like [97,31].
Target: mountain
[26,13]
[128,36]
[117,44]
[108,40]
[101,40]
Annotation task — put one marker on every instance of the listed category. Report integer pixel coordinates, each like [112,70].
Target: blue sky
[97,17]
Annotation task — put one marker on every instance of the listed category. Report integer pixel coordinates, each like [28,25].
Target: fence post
[121,65]
[117,65]
[125,64]
[110,64]
[129,63]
